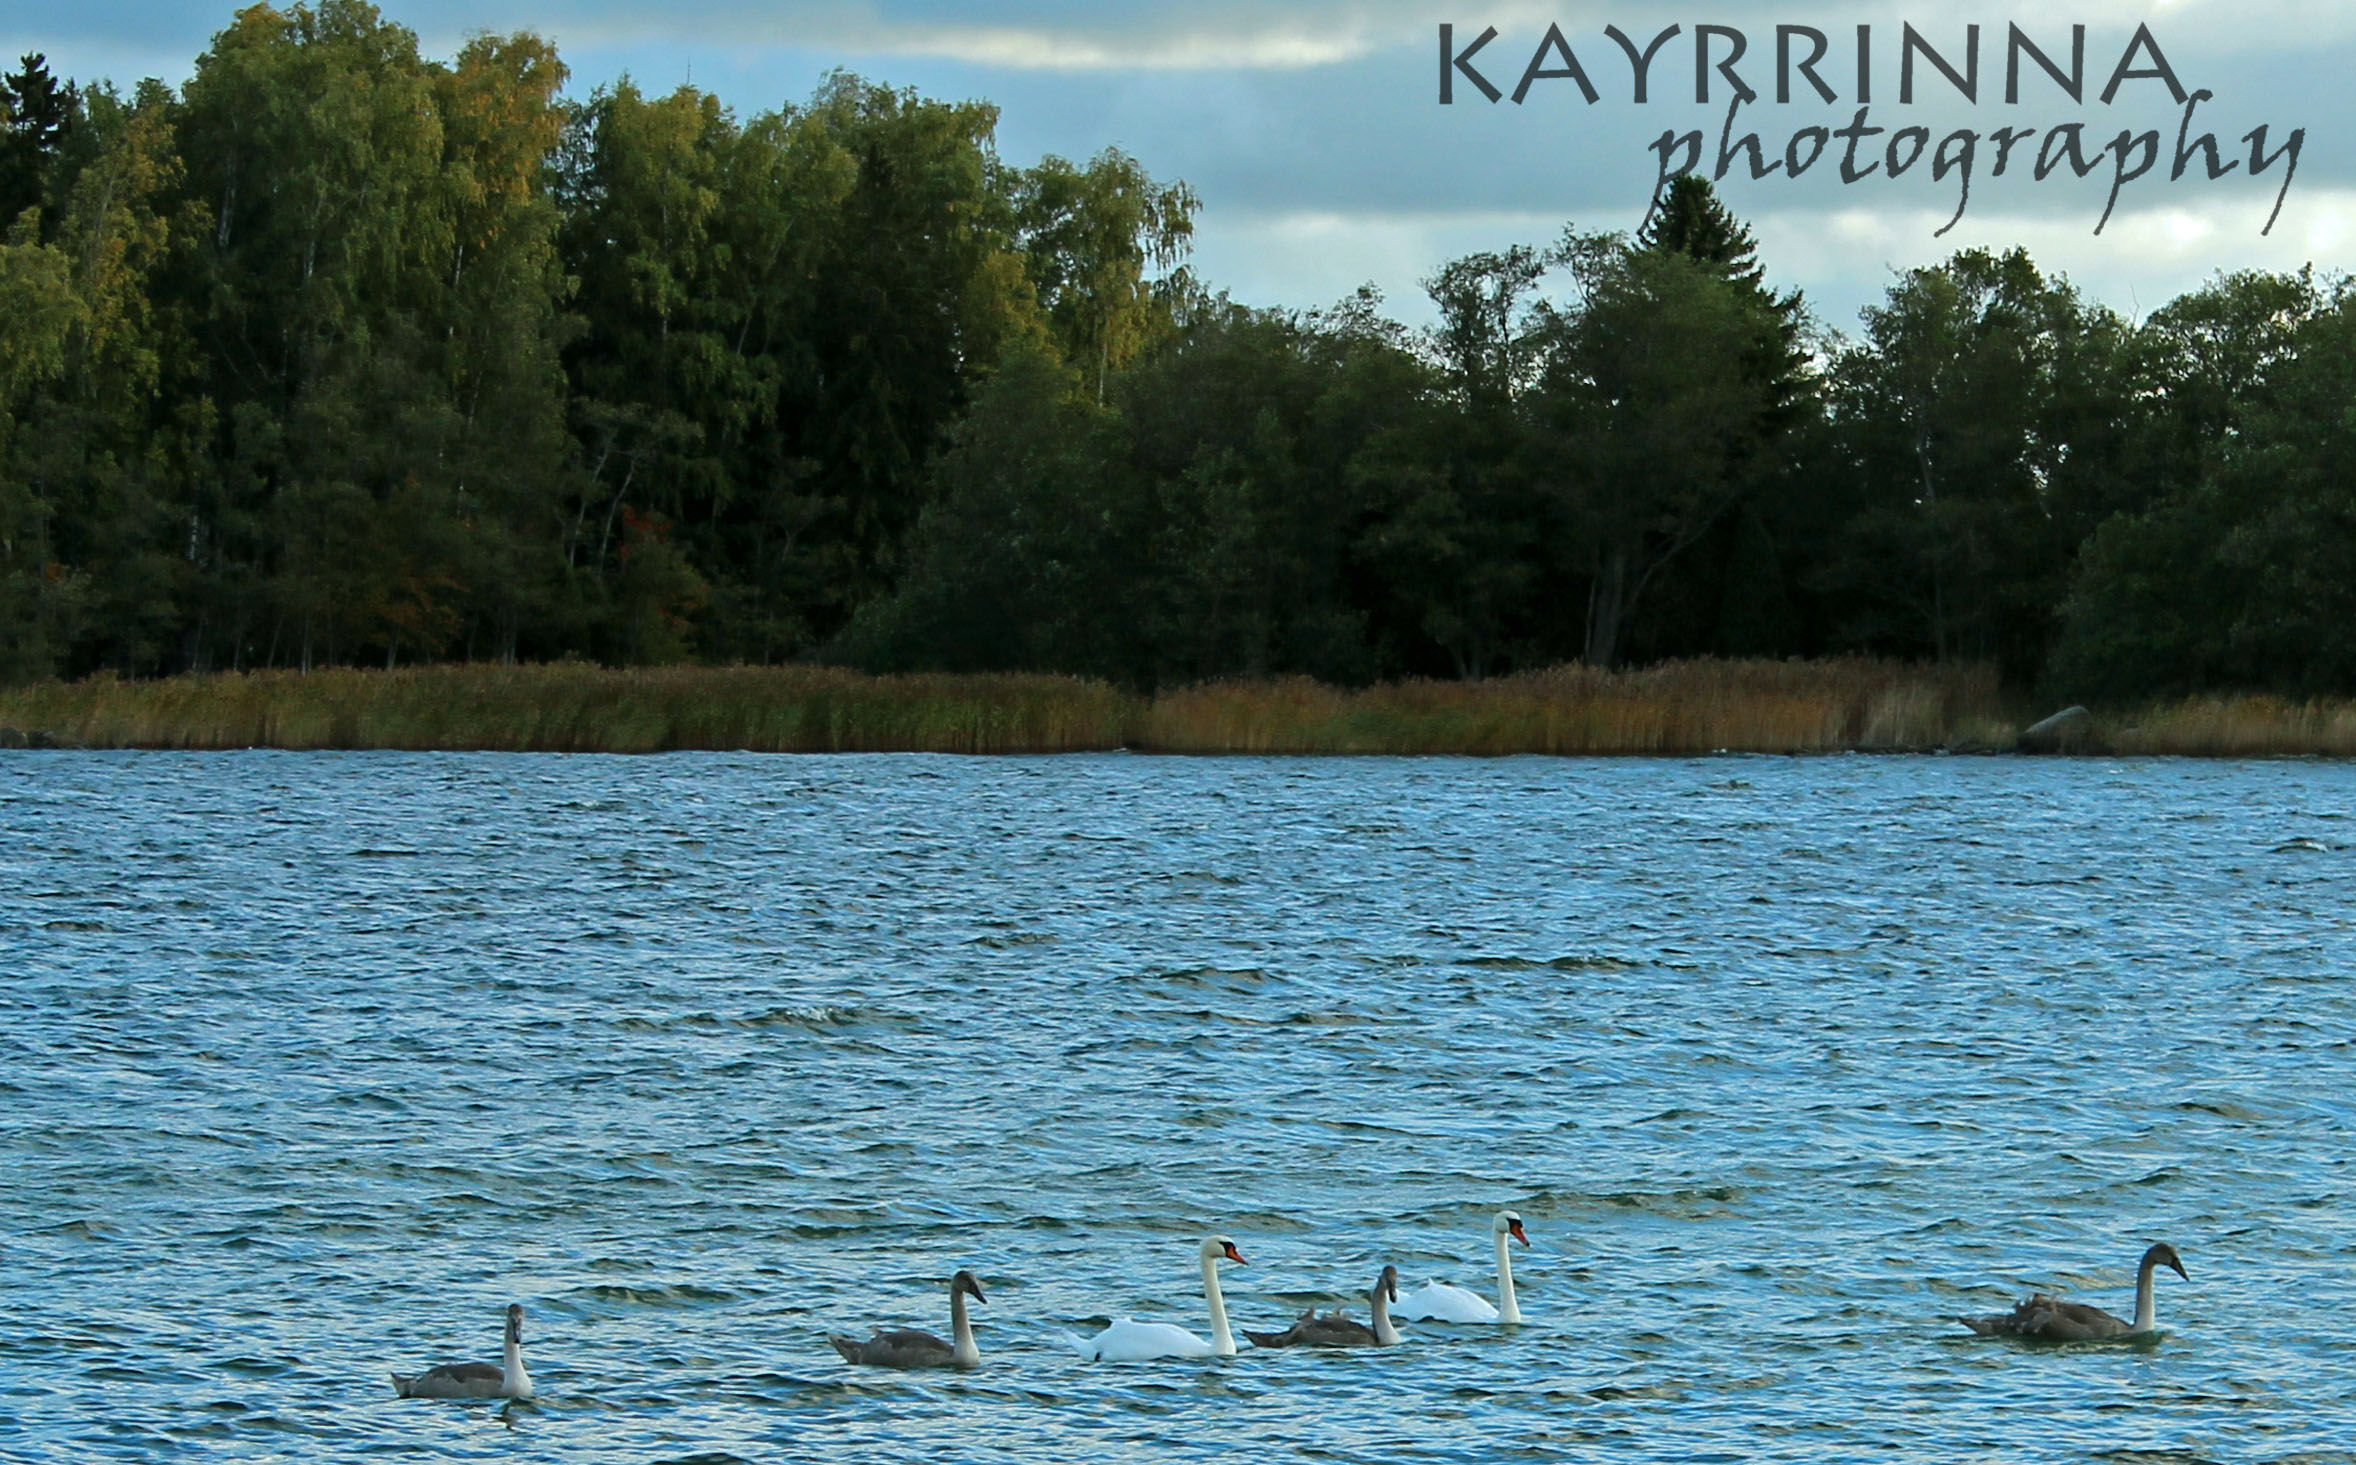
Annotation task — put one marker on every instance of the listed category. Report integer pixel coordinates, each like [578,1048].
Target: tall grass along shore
[573,708]
[1684,707]
[2238,727]
[1679,708]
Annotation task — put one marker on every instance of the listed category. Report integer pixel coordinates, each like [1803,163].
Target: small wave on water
[1785,1063]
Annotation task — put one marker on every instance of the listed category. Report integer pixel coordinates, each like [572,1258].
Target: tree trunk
[606,538]
[1607,607]
[1930,503]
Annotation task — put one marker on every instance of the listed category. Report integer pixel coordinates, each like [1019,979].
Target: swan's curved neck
[962,1346]
[1385,1331]
[1508,1309]
[1222,1341]
[517,1383]
[2145,1306]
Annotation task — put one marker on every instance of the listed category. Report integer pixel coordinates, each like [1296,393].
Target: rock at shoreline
[2070,730]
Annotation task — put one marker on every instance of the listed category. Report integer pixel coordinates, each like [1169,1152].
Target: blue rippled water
[309,1064]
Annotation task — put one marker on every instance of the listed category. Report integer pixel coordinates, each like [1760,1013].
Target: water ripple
[311,1063]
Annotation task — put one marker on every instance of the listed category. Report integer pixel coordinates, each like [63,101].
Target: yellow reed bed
[581,709]
[2240,727]
[1677,708]
[1680,707]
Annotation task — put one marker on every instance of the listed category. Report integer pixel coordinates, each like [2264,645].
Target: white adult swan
[1337,1329]
[1127,1341]
[2052,1320]
[916,1348]
[476,1380]
[1441,1302]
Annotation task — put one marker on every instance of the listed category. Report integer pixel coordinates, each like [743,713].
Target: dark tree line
[338,354]
[342,355]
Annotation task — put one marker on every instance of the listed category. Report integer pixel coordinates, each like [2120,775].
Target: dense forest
[338,355]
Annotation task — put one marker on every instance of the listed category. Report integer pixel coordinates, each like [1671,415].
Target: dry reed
[1677,708]
[571,708]
[2239,727]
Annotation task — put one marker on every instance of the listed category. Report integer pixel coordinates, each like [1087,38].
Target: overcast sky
[1314,134]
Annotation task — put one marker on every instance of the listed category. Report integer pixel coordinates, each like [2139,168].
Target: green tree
[1261,433]
[511,469]
[1457,533]
[1739,589]
[39,313]
[1691,220]
[99,447]
[812,297]
[921,293]
[1951,421]
[1648,417]
[2232,571]
[1209,521]
[1089,238]
[378,291]
[1019,563]
[36,118]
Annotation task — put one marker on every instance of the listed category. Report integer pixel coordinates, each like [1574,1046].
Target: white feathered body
[1444,1302]
[1130,1341]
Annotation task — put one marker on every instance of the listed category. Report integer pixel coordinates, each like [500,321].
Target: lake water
[310,1064]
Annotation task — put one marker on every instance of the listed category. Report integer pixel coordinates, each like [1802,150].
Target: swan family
[2041,1317]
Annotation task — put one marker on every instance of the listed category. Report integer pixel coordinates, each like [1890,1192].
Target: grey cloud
[1359,136]
[1369,135]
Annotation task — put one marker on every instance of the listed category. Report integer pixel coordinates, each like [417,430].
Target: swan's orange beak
[1235,1256]
[1518,1233]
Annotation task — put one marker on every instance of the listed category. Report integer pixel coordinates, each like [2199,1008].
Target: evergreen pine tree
[35,113]
[1690,219]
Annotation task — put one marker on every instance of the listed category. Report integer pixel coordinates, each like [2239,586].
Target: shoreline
[1676,709]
